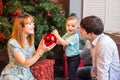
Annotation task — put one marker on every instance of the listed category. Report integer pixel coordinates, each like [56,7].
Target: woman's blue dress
[13,70]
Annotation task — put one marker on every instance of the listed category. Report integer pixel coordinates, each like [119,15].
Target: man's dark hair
[92,24]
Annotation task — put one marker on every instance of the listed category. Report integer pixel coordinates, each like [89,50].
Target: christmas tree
[47,15]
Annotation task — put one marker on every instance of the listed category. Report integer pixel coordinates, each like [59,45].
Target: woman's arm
[20,58]
[42,48]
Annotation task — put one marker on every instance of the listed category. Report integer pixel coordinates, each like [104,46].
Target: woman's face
[28,27]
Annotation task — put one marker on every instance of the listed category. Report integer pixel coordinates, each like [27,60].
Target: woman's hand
[42,48]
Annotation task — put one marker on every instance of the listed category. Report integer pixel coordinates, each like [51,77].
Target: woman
[21,50]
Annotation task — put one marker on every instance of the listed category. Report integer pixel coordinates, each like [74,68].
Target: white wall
[75,7]
[107,10]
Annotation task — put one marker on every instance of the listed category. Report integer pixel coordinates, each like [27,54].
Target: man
[104,53]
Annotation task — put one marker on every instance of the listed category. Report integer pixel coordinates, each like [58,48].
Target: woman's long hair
[19,23]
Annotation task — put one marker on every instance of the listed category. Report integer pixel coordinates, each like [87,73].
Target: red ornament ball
[48,14]
[1,13]
[18,12]
[49,39]
[35,0]
[1,4]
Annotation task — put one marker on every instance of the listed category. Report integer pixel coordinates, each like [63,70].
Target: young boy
[70,42]
[105,57]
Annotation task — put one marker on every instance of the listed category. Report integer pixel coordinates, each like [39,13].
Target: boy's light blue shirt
[73,48]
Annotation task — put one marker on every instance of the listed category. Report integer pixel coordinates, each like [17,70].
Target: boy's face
[71,26]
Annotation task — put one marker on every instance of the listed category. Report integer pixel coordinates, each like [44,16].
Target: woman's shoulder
[13,42]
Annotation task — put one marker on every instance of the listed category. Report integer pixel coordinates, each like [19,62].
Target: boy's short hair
[92,24]
[73,18]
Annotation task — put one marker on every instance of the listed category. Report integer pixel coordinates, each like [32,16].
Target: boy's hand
[55,32]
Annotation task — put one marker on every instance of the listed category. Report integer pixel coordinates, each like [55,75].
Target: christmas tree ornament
[48,14]
[1,13]
[18,12]
[49,39]
[1,4]
[35,0]
[2,36]
[13,14]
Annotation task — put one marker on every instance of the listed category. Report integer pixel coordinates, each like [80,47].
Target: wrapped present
[81,63]
[43,69]
[65,66]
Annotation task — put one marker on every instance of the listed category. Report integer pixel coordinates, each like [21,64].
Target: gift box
[65,65]
[43,69]
[81,63]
